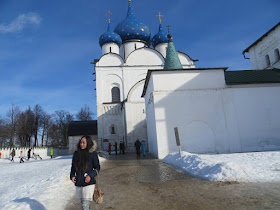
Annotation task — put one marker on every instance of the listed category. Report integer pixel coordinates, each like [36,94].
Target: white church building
[145,88]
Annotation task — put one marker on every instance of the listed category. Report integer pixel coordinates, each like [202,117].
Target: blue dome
[109,37]
[133,29]
[160,37]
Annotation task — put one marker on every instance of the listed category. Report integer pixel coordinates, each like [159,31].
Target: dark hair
[83,154]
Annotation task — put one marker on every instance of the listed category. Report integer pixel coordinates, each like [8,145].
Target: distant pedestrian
[51,152]
[13,153]
[36,156]
[21,157]
[109,148]
[28,153]
[0,155]
[143,146]
[137,146]
[116,147]
[123,148]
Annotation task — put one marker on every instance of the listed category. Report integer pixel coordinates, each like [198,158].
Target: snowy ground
[240,167]
[44,184]
[36,184]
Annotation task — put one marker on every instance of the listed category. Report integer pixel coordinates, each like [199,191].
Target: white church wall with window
[263,51]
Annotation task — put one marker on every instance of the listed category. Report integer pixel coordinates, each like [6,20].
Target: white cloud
[21,22]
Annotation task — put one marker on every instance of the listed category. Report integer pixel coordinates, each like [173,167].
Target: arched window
[267,60]
[277,55]
[116,94]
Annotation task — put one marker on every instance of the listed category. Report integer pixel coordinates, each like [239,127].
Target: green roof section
[172,60]
[252,76]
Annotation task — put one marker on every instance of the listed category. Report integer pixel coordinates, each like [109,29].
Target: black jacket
[92,163]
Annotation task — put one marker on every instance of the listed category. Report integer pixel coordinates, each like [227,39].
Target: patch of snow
[240,167]
[36,184]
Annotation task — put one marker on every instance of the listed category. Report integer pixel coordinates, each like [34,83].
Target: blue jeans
[85,205]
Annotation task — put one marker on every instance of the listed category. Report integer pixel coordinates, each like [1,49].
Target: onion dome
[133,29]
[109,37]
[160,37]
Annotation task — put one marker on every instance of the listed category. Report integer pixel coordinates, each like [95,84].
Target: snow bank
[36,184]
[241,167]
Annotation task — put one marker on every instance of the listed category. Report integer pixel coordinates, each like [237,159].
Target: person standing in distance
[51,152]
[13,154]
[29,153]
[137,145]
[85,164]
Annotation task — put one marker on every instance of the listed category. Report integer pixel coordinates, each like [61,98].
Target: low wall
[40,151]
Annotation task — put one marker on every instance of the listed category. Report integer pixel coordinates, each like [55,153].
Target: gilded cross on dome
[159,17]
[109,16]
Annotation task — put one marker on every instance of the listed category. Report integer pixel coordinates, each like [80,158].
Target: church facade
[128,52]
[215,110]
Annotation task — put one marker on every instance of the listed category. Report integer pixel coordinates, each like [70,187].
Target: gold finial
[159,17]
[109,16]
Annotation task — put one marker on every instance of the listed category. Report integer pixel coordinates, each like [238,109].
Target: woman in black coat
[85,162]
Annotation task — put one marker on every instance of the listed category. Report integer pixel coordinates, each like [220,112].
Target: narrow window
[135,46]
[110,49]
[267,60]
[116,94]
[112,129]
[277,55]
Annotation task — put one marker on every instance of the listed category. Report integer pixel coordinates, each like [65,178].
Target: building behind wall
[264,52]
[216,111]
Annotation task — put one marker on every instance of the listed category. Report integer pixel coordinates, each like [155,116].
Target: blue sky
[46,46]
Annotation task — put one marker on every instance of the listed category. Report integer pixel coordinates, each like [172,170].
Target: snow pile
[36,184]
[241,167]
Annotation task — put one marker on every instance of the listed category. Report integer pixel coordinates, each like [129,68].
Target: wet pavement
[148,183]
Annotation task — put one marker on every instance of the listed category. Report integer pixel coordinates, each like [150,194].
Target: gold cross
[109,16]
[159,16]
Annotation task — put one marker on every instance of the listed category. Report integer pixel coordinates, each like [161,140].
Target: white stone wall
[265,47]
[212,119]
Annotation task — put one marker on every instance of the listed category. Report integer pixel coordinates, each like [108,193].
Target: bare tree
[13,115]
[38,113]
[53,135]
[21,129]
[4,134]
[63,119]
[85,114]
[30,122]
[46,123]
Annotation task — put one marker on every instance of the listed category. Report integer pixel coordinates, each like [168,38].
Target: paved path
[147,183]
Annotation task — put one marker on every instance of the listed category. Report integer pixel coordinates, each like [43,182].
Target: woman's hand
[73,179]
[87,179]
